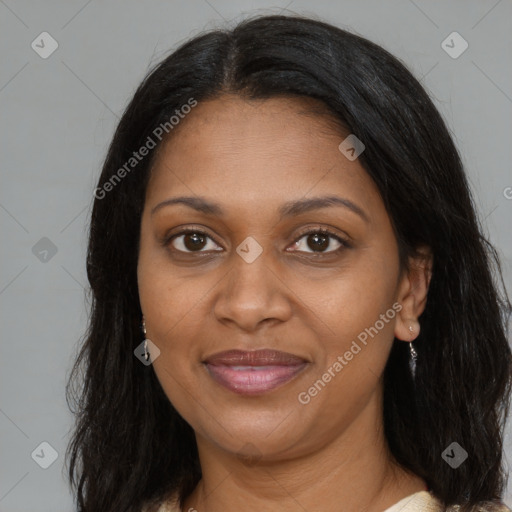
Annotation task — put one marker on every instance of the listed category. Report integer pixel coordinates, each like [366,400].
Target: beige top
[421,501]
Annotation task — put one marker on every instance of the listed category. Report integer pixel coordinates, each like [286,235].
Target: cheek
[356,311]
[354,297]
[168,297]
[173,303]
[359,313]
[173,320]
[166,301]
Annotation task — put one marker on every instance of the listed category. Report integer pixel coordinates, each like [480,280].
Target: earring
[147,355]
[414,355]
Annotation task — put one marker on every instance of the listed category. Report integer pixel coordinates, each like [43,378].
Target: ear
[412,293]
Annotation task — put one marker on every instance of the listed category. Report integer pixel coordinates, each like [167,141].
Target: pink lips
[253,372]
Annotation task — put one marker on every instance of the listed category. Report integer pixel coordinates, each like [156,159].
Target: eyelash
[344,244]
[324,231]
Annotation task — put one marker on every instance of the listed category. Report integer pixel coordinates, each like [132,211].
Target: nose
[252,294]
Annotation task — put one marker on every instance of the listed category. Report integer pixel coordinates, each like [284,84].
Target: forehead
[261,150]
[232,120]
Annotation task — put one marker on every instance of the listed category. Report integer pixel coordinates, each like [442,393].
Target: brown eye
[318,241]
[192,241]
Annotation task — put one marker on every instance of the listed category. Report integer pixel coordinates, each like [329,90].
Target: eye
[192,240]
[320,241]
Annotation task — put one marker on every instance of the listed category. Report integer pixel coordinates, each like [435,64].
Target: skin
[269,451]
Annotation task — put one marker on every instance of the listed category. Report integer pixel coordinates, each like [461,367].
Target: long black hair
[130,446]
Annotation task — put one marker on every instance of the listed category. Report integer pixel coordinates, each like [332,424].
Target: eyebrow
[288,209]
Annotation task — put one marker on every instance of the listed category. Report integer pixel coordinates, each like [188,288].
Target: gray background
[58,115]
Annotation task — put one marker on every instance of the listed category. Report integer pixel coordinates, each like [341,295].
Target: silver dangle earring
[414,356]
[146,351]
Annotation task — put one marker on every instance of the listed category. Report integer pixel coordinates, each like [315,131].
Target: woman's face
[262,279]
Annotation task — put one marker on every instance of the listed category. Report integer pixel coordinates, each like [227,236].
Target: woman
[281,214]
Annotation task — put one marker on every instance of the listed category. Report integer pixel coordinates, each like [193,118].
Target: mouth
[253,372]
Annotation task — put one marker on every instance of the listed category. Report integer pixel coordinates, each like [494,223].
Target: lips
[254,358]
[253,372]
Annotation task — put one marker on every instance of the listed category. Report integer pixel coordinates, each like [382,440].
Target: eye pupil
[319,241]
[193,241]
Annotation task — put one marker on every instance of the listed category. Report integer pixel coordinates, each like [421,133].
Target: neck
[355,469]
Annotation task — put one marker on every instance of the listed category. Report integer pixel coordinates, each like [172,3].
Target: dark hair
[130,447]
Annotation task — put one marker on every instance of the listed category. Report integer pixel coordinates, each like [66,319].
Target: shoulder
[424,501]
[171,505]
[488,506]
